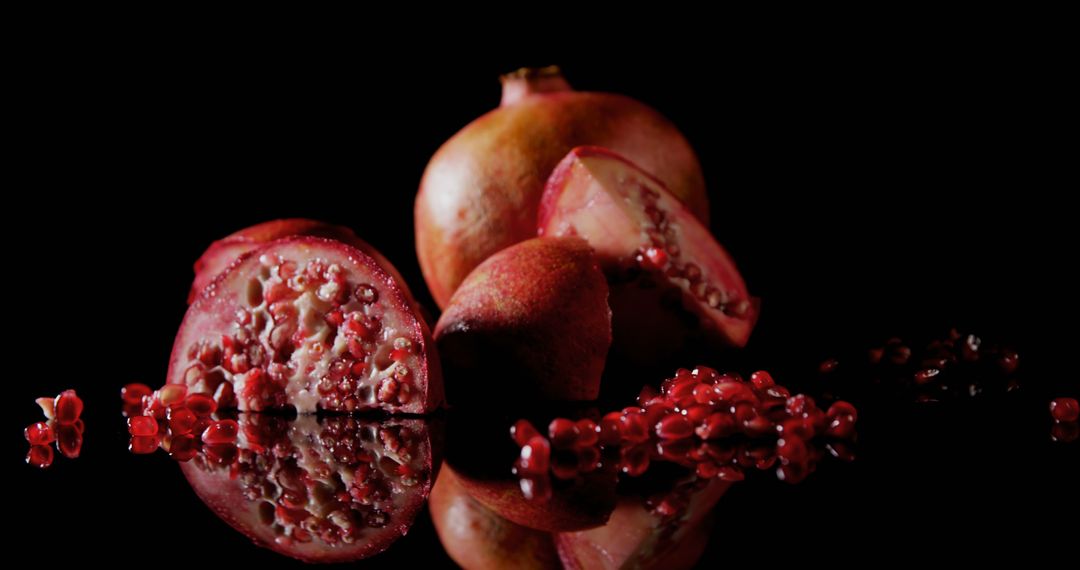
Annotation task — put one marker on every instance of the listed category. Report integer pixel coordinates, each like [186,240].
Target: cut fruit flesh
[635,224]
[308,323]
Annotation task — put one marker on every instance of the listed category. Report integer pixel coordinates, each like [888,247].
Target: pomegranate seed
[202,405]
[799,405]
[707,470]
[705,374]
[730,473]
[1009,361]
[278,291]
[132,394]
[172,394]
[144,444]
[610,429]
[588,459]
[647,393]
[733,393]
[588,433]
[683,389]
[222,453]
[536,488]
[142,426]
[184,447]
[399,355]
[1065,409]
[797,427]
[842,427]
[697,414]
[562,432]
[762,380]
[68,407]
[674,427]
[632,428]
[40,456]
[655,258]
[69,439]
[335,318]
[535,458]
[656,411]
[791,450]
[223,431]
[635,460]
[181,421]
[1065,432]
[39,434]
[717,425]
[842,408]
[828,366]
[704,394]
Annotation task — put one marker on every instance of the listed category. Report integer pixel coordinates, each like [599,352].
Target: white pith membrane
[605,199]
[337,489]
[307,326]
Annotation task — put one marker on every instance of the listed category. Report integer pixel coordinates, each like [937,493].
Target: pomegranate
[308,323]
[531,320]
[478,539]
[332,492]
[480,192]
[223,252]
[656,254]
[1064,409]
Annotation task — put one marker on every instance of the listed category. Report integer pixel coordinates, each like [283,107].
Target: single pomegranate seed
[633,429]
[716,426]
[697,414]
[842,427]
[792,450]
[842,408]
[399,355]
[797,427]
[926,375]
[535,458]
[705,374]
[704,394]
[181,421]
[184,447]
[69,439]
[40,456]
[762,380]
[144,444]
[655,258]
[799,405]
[588,433]
[522,431]
[733,393]
[142,426]
[172,394]
[132,394]
[1009,361]
[674,427]
[656,411]
[562,432]
[635,460]
[219,432]
[39,434]
[68,407]
[152,406]
[222,453]
[611,429]
[202,405]
[1065,409]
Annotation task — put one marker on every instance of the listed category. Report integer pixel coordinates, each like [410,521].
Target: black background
[865,191]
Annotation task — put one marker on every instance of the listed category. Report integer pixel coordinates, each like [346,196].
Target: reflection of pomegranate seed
[1065,409]
[40,456]
[223,431]
[184,447]
[588,433]
[69,439]
[144,444]
[39,434]
[132,394]
[181,421]
[1065,432]
[536,488]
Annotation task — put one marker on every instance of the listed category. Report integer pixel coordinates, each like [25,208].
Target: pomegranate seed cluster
[63,426]
[309,322]
[716,424]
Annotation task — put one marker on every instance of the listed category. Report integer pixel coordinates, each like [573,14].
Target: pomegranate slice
[309,323]
[333,491]
[636,225]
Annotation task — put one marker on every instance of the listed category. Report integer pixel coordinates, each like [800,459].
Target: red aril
[40,456]
[1064,409]
[68,407]
[142,426]
[39,433]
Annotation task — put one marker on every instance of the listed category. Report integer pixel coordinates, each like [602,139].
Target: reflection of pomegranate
[341,490]
[531,320]
[665,268]
[308,323]
[480,191]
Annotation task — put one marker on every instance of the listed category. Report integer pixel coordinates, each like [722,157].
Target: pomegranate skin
[481,189]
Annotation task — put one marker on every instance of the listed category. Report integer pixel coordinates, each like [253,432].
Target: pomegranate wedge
[636,226]
[309,323]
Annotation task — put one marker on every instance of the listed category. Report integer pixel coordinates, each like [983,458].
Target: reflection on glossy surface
[63,426]
[328,490]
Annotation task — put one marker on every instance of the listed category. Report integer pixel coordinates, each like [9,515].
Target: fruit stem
[527,81]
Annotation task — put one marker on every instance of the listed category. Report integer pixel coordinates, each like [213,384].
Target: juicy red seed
[40,456]
[655,257]
[707,469]
[535,458]
[142,426]
[842,408]
[610,429]
[522,431]
[797,427]
[222,453]
[799,405]
[1065,432]
[562,432]
[69,439]
[399,355]
[132,394]
[172,394]
[842,427]
[1065,409]
[588,433]
[762,380]
[704,394]
[734,393]
[647,393]
[674,427]
[716,426]
[223,431]
[202,405]
[697,413]
[792,450]
[278,291]
[683,389]
[68,407]
[635,460]
[39,434]
[632,428]
[144,444]
[181,421]
[335,318]
[705,374]
[656,411]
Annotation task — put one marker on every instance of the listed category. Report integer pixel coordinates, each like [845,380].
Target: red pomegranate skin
[481,189]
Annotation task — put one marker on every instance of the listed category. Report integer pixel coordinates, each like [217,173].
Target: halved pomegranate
[308,323]
[334,491]
[223,252]
[649,244]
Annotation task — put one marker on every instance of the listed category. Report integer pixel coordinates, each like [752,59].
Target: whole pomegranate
[480,192]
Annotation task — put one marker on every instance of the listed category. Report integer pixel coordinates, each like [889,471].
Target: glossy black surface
[863,196]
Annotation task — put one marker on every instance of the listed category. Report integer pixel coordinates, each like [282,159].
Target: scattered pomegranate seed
[132,394]
[842,408]
[40,456]
[202,405]
[588,433]
[68,407]
[535,456]
[842,427]
[762,380]
[223,431]
[522,431]
[39,433]
[1065,409]
[142,426]
[562,432]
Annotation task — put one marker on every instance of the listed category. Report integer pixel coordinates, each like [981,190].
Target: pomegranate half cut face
[331,491]
[308,323]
